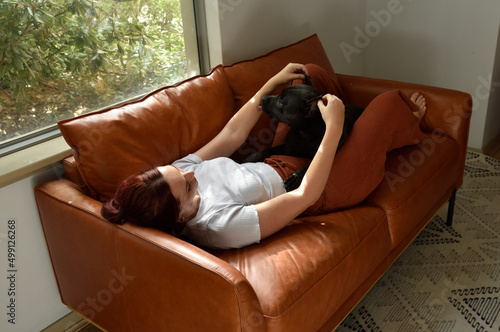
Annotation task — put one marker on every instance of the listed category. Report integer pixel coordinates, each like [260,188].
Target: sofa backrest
[163,126]
[111,144]
[246,77]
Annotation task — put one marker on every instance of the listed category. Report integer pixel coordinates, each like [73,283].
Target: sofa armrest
[448,111]
[126,278]
[72,173]
[193,290]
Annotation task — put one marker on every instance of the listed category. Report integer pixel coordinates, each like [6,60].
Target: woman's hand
[236,131]
[292,71]
[275,213]
[333,111]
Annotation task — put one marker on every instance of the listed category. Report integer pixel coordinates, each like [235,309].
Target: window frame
[50,132]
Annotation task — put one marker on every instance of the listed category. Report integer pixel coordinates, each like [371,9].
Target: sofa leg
[451,207]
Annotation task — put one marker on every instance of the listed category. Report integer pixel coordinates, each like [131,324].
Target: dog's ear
[312,105]
[307,80]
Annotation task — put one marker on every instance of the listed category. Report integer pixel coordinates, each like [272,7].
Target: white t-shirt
[227,217]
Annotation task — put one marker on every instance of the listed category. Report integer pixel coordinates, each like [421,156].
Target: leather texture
[82,252]
[114,143]
[248,75]
[294,270]
[448,111]
[415,177]
[305,278]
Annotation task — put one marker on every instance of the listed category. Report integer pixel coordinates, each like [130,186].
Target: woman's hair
[144,199]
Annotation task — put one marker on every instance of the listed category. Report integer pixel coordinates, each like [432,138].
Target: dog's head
[296,106]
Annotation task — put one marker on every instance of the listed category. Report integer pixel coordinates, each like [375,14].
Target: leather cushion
[247,77]
[316,262]
[417,178]
[163,126]
[447,110]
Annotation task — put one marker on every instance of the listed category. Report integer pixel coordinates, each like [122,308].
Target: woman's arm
[236,131]
[279,211]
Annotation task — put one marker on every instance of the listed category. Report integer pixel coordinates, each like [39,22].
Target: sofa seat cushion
[418,179]
[163,126]
[314,262]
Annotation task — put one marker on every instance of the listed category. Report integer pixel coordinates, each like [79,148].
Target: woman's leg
[390,121]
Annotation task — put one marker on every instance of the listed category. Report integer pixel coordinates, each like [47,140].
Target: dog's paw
[291,183]
[256,157]
[295,179]
[260,155]
[253,158]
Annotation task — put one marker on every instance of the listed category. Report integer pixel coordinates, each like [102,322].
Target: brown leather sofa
[307,277]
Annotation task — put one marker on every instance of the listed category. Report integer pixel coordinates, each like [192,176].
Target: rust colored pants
[358,168]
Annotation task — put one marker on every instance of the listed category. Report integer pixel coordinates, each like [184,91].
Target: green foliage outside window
[62,58]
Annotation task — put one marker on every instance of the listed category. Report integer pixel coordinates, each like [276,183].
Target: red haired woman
[216,202]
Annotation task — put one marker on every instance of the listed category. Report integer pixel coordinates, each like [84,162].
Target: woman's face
[184,187]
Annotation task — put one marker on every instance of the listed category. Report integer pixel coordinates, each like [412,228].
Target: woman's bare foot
[419,100]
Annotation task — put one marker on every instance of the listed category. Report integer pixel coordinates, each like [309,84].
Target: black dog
[297,106]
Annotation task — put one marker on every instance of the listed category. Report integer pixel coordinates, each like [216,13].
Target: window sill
[31,160]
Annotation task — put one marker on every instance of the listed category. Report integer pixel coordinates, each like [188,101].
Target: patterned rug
[448,279]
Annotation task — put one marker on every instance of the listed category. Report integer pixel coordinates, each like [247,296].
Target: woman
[218,203]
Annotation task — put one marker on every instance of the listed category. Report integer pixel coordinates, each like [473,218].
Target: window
[63,58]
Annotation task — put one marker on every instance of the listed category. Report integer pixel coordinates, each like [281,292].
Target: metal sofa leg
[451,207]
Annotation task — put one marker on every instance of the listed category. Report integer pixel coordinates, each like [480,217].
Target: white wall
[491,130]
[252,28]
[446,43]
[37,301]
